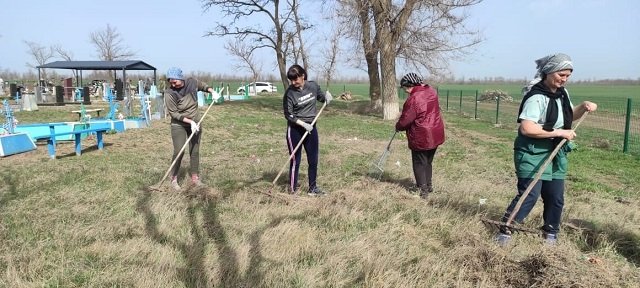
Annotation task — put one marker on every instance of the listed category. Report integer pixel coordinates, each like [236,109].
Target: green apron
[530,153]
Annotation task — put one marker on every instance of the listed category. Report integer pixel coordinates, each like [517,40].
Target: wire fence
[615,126]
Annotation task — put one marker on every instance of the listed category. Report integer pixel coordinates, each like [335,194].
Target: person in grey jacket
[299,105]
[182,105]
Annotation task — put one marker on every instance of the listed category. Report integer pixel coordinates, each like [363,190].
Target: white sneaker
[175,185]
[503,239]
[197,183]
[551,239]
[195,179]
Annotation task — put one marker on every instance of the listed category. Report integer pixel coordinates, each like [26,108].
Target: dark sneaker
[315,191]
[550,239]
[425,191]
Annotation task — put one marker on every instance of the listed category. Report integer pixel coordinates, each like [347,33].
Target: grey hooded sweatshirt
[301,103]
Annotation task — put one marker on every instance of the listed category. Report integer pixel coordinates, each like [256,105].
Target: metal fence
[615,126]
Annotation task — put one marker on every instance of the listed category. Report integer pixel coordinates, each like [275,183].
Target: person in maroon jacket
[423,122]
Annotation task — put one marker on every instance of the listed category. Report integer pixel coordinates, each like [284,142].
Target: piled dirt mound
[346,96]
[493,95]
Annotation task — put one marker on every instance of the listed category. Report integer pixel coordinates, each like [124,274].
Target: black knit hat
[410,80]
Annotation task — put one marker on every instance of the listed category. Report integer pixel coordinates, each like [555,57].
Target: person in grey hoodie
[299,105]
[182,104]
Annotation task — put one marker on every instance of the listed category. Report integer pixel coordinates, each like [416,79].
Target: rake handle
[539,173]
[293,153]
[386,150]
[391,140]
[184,146]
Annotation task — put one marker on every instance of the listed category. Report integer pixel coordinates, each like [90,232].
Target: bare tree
[63,53]
[330,57]
[421,33]
[436,34]
[290,47]
[244,53]
[40,54]
[300,26]
[356,17]
[390,22]
[271,36]
[109,45]
[66,55]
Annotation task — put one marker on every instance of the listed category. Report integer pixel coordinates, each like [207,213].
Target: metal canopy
[99,65]
[122,65]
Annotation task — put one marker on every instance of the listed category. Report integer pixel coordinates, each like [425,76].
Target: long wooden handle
[293,153]
[184,146]
[540,172]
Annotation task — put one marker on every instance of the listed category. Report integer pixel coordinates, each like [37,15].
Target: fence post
[447,101]
[497,110]
[460,108]
[627,126]
[475,110]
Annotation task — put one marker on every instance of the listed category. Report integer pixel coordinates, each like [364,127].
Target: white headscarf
[549,64]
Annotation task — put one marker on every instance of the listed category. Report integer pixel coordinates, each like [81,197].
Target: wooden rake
[509,224]
[293,153]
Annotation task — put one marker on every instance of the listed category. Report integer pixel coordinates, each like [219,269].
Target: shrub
[493,95]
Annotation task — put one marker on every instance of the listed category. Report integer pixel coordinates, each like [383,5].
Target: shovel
[536,178]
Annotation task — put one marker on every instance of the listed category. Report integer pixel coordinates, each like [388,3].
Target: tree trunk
[305,59]
[370,56]
[280,57]
[386,45]
[390,107]
[282,66]
[374,84]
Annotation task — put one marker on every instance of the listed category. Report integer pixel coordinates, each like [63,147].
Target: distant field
[578,92]
[614,94]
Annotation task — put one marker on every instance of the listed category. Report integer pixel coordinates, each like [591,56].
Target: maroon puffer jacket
[422,120]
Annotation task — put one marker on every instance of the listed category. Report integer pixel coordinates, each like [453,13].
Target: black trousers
[552,193]
[422,168]
[311,146]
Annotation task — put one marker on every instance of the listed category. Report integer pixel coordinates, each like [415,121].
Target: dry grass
[92,221]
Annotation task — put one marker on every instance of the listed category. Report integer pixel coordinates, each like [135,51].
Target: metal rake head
[377,167]
[376,172]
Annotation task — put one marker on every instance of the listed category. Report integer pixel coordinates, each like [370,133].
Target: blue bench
[77,136]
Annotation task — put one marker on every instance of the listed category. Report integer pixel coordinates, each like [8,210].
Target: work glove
[305,125]
[328,97]
[194,127]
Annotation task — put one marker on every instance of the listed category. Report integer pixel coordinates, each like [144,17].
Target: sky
[602,36]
